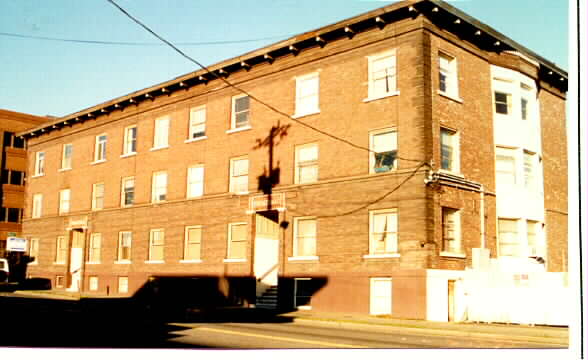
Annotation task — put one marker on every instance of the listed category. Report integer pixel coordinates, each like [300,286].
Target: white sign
[16,244]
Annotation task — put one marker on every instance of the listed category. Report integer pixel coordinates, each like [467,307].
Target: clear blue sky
[58,78]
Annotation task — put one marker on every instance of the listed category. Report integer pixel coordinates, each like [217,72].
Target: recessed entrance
[266,255]
[76,259]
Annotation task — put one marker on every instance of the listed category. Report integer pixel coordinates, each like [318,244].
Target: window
[382,75]
[127,196]
[11,215]
[123,284]
[529,170]
[66,156]
[501,103]
[383,232]
[159,190]
[98,196]
[94,248]
[237,241]
[195,181]
[524,108]
[240,118]
[451,231]
[197,123]
[100,148]
[505,166]
[525,96]
[39,163]
[307,94]
[60,250]
[306,164]
[59,281]
[534,243]
[130,140]
[193,240]
[161,133]
[37,206]
[125,239]
[93,283]
[303,291]
[34,250]
[64,197]
[156,244]
[449,150]
[304,237]
[239,181]
[448,81]
[383,144]
[508,238]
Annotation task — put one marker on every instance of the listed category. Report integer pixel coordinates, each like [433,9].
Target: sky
[46,77]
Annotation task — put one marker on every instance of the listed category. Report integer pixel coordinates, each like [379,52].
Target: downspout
[482,219]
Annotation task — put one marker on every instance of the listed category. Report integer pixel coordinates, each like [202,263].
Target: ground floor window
[302,293]
[93,283]
[59,281]
[381,296]
[123,284]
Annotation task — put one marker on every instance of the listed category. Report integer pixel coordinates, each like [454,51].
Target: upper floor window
[161,133]
[307,94]
[383,232]
[449,150]
[130,140]
[100,148]
[239,181]
[448,80]
[94,248]
[529,170]
[502,102]
[525,96]
[13,177]
[66,156]
[506,173]
[237,245]
[125,239]
[159,190]
[508,237]
[197,123]
[34,250]
[304,237]
[192,245]
[11,140]
[37,206]
[383,144]
[382,75]
[240,116]
[195,181]
[306,164]
[39,163]
[156,244]
[127,196]
[535,245]
[98,196]
[64,198]
[451,231]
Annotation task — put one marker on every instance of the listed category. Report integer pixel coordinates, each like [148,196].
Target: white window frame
[448,68]
[94,249]
[245,126]
[197,124]
[298,281]
[530,170]
[195,181]
[538,248]
[123,284]
[123,191]
[452,217]
[122,235]
[64,201]
[66,157]
[505,153]
[95,197]
[391,79]
[296,238]
[156,234]
[161,130]
[230,257]
[372,240]
[61,251]
[455,153]
[34,250]
[234,181]
[37,210]
[39,163]
[305,164]
[307,103]
[373,152]
[508,103]
[100,148]
[93,283]
[516,244]
[130,141]
[187,244]
[158,190]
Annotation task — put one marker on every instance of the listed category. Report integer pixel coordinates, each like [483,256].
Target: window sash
[384,155]
[505,169]
[241,107]
[197,123]
[529,170]
[305,237]
[447,150]
[61,250]
[159,187]
[501,102]
[124,246]
[98,196]
[100,150]
[156,245]
[307,94]
[128,191]
[94,248]
[40,163]
[195,181]
[508,238]
[382,75]
[239,175]
[451,231]
[64,197]
[130,145]
[34,249]
[66,156]
[37,205]
[161,134]
[193,242]
[384,228]
[237,241]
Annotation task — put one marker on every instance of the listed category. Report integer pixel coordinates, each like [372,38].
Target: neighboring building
[442,147]
[13,164]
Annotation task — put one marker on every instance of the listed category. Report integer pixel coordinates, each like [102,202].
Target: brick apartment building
[13,164]
[441,147]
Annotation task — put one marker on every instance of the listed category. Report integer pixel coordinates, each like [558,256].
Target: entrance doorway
[266,251]
[76,259]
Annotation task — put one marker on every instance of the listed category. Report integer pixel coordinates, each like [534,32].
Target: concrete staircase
[268,299]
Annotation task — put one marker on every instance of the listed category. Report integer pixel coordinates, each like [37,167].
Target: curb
[399,328]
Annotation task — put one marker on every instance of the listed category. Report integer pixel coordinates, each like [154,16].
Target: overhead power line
[129,43]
